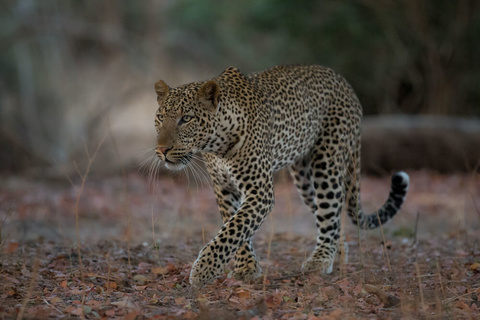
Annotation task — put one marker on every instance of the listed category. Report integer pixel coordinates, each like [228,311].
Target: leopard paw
[205,269]
[247,274]
[320,265]
[200,275]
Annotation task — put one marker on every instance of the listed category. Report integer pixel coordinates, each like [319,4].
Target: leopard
[246,128]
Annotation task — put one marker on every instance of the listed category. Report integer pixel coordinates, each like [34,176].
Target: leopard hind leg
[307,177]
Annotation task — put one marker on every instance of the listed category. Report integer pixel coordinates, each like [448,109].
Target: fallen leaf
[242,293]
[335,315]
[358,289]
[189,315]
[475,266]
[160,270]
[131,315]
[181,301]
[11,247]
[462,253]
[345,285]
[77,311]
[26,272]
[164,270]
[311,316]
[94,303]
[234,300]
[388,300]
[273,301]
[110,312]
[140,279]
[462,305]
[144,265]
[111,285]
[76,291]
[69,309]
[139,288]
[125,303]
[55,300]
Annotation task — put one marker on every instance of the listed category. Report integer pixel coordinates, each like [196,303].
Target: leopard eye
[160,117]
[185,119]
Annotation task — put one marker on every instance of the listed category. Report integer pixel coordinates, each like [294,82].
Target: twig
[77,205]
[353,177]
[438,303]
[422,300]
[51,305]
[343,240]
[155,246]
[107,294]
[288,198]
[440,278]
[460,296]
[126,203]
[269,249]
[7,214]
[384,244]
[477,210]
[77,169]
[31,285]
[416,228]
[86,148]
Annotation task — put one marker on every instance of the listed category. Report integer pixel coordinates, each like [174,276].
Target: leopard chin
[178,163]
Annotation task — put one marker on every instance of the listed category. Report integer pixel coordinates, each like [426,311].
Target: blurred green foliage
[401,56]
[64,64]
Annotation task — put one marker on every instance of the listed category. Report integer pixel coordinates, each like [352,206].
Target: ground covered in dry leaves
[128,255]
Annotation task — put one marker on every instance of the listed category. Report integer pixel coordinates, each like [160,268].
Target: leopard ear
[209,94]
[161,89]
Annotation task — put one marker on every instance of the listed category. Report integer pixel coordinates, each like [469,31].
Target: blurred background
[72,72]
[77,74]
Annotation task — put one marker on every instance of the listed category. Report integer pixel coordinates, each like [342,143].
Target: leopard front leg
[228,197]
[247,267]
[236,232]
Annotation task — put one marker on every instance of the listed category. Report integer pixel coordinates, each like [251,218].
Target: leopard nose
[163,150]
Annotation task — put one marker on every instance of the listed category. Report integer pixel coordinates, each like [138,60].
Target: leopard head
[185,120]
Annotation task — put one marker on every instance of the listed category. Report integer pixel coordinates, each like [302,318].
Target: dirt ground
[129,254]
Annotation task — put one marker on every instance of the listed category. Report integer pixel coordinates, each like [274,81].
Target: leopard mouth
[178,163]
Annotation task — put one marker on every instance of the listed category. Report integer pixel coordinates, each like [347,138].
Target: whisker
[147,151]
[185,169]
[197,178]
[146,159]
[145,164]
[193,168]
[205,176]
[194,177]
[199,172]
[155,169]
[151,170]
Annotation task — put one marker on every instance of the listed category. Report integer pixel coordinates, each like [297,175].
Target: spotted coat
[248,127]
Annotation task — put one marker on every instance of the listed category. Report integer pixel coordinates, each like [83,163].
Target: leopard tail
[398,192]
